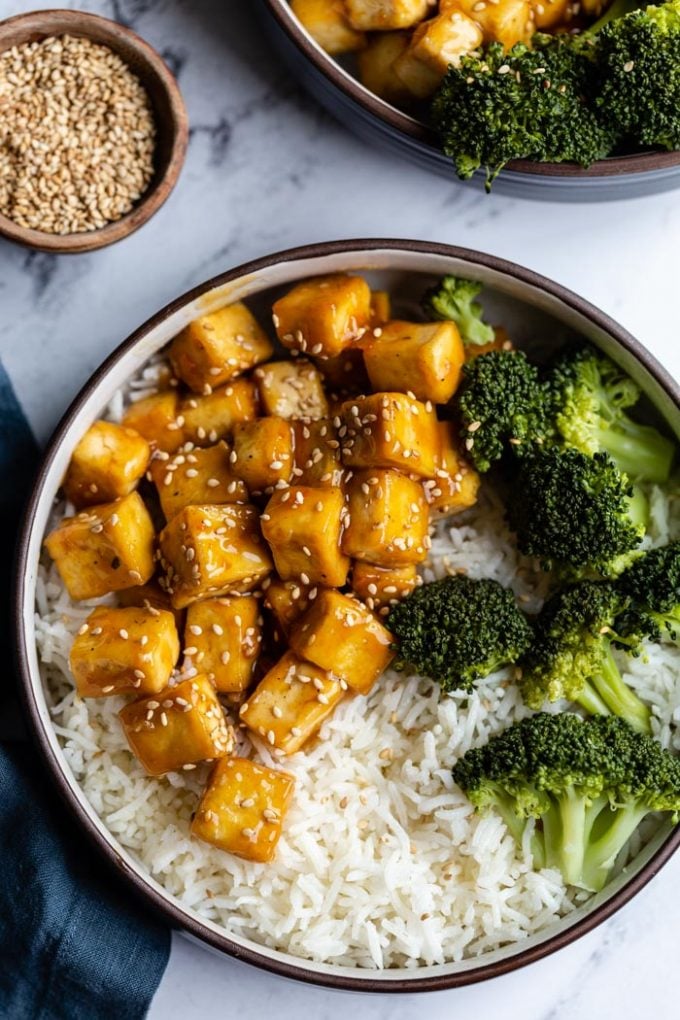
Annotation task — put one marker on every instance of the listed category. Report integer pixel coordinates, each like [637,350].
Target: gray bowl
[379,123]
[532,307]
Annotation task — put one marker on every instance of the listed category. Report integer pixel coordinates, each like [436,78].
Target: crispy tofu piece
[291,389]
[303,526]
[217,347]
[388,519]
[317,454]
[389,430]
[106,464]
[206,419]
[551,13]
[179,726]
[381,15]
[501,342]
[417,77]
[382,587]
[290,703]
[327,23]
[424,357]
[346,373]
[323,316]
[505,21]
[341,635]
[376,72]
[263,452]
[124,651]
[223,638]
[242,808]
[456,483]
[288,601]
[443,40]
[194,476]
[381,307]
[155,418]
[212,550]
[150,596]
[104,549]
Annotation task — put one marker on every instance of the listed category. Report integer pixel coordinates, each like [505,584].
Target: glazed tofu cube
[381,307]
[417,77]
[326,21]
[179,726]
[507,21]
[222,638]
[443,40]
[219,346]
[150,596]
[389,430]
[456,484]
[341,635]
[346,374]
[376,72]
[106,464]
[388,519]
[424,357]
[380,15]
[290,703]
[501,342]
[550,13]
[381,587]
[124,651]
[323,316]
[194,476]
[263,452]
[104,549]
[205,419]
[288,600]
[291,389]
[303,526]
[317,454]
[242,809]
[156,418]
[212,550]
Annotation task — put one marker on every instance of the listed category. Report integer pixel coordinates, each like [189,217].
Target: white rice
[383,862]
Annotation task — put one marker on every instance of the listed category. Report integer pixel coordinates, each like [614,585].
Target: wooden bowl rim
[81,23]
[403,123]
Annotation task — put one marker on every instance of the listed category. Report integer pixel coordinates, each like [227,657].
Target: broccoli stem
[507,809]
[565,835]
[640,451]
[601,853]
[618,697]
[615,10]
[591,701]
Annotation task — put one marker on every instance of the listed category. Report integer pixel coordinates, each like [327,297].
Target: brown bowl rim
[160,189]
[162,907]
[417,131]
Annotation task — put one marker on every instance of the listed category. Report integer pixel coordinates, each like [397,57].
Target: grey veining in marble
[266,170]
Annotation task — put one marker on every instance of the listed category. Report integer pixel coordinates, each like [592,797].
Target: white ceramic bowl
[532,307]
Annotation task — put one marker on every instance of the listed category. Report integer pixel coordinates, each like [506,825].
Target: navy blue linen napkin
[73,943]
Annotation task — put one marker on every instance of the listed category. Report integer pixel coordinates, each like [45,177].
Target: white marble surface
[267,170]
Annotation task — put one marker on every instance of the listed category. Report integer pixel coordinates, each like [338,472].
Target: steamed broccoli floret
[639,75]
[571,654]
[652,584]
[458,630]
[454,299]
[525,104]
[500,403]
[588,783]
[576,513]
[591,396]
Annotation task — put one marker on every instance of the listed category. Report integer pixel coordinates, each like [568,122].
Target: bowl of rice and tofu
[259,532]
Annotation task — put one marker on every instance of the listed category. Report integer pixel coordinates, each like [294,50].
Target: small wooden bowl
[172,128]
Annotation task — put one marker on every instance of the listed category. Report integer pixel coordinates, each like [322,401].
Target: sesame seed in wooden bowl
[93,131]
